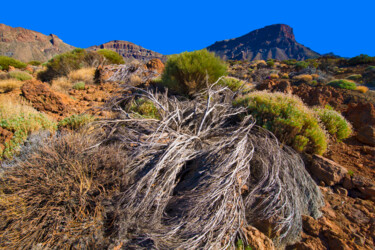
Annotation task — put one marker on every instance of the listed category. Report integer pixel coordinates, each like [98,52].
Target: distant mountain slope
[27,45]
[275,41]
[129,50]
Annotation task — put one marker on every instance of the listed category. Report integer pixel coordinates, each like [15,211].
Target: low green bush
[355,77]
[145,108]
[186,73]
[35,63]
[79,86]
[301,65]
[288,118]
[20,75]
[5,62]
[290,62]
[112,56]
[75,121]
[232,83]
[343,84]
[335,124]
[270,63]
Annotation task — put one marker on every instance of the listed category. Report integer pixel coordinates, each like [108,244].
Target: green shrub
[290,62]
[270,63]
[79,86]
[34,63]
[112,56]
[361,59]
[302,65]
[145,108]
[288,118]
[63,64]
[334,123]
[20,75]
[232,83]
[5,62]
[22,125]
[186,73]
[1,67]
[75,121]
[343,84]
[355,77]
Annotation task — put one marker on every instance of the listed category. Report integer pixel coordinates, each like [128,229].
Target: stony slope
[128,50]
[27,45]
[274,41]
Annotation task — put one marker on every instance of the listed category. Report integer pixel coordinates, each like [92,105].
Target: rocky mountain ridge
[27,45]
[275,41]
[128,50]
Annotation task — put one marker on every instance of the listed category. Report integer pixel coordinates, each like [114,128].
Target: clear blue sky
[346,28]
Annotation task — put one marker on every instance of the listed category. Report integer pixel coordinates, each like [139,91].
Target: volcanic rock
[275,41]
[326,170]
[44,99]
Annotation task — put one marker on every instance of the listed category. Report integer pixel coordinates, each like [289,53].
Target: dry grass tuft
[61,84]
[8,85]
[304,78]
[85,74]
[54,199]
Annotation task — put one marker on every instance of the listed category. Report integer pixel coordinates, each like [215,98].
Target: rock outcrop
[128,50]
[44,99]
[27,45]
[275,41]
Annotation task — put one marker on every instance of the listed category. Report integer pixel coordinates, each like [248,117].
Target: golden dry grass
[15,105]
[85,74]
[8,85]
[135,80]
[61,84]
[315,76]
[362,89]
[304,77]
[274,76]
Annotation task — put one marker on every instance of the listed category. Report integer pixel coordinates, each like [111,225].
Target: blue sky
[346,28]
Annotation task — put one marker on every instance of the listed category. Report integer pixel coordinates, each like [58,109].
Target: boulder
[44,99]
[361,114]
[366,135]
[257,240]
[326,170]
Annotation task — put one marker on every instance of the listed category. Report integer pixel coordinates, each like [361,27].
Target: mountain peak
[275,41]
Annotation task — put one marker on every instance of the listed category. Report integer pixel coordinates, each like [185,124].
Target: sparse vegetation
[5,62]
[334,123]
[79,86]
[186,73]
[288,118]
[20,75]
[355,77]
[85,75]
[303,78]
[270,63]
[76,121]
[343,84]
[112,56]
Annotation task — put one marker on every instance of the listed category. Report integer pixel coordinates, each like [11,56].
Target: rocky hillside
[274,41]
[27,45]
[128,50]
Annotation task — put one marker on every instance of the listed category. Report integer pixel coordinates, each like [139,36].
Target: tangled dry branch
[203,172]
